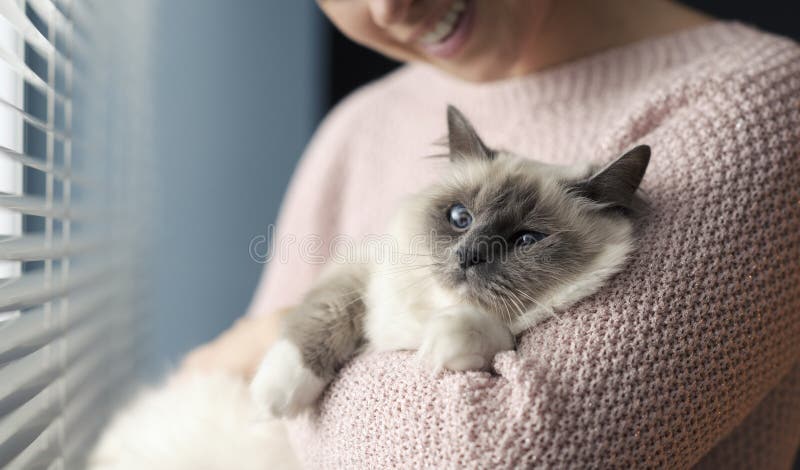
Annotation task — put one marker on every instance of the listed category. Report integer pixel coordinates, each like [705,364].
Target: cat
[193,421]
[499,245]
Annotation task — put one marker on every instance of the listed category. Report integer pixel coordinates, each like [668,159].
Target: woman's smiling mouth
[448,36]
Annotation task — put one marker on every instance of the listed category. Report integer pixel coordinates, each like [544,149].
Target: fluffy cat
[202,421]
[496,247]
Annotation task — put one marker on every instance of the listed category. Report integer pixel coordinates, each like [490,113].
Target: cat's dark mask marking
[464,142]
[581,212]
[615,185]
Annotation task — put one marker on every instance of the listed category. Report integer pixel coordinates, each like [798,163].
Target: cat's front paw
[283,385]
[463,338]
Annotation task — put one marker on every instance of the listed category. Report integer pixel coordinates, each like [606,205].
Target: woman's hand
[237,351]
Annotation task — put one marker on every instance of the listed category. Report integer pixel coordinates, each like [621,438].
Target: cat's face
[507,233]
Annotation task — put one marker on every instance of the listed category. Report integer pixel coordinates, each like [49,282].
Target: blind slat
[34,289]
[29,290]
[34,205]
[39,206]
[42,452]
[21,427]
[26,376]
[33,162]
[35,247]
[23,418]
[11,12]
[58,171]
[18,65]
[47,8]
[34,121]
[80,341]
[35,329]
[77,413]
[25,334]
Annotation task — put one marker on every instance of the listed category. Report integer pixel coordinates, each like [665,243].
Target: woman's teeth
[445,25]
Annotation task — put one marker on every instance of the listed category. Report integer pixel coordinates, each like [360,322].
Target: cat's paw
[463,338]
[283,385]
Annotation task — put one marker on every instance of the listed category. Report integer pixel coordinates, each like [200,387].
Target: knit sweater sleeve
[671,356]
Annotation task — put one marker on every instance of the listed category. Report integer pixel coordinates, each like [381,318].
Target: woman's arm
[674,354]
[239,349]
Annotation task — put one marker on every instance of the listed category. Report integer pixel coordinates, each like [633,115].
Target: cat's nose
[470,257]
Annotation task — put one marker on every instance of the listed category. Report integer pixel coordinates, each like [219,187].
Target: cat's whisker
[534,301]
[416,283]
[494,306]
[408,253]
[507,296]
[509,320]
[507,312]
[517,301]
[352,302]
[398,271]
[421,284]
[407,265]
[403,269]
[547,309]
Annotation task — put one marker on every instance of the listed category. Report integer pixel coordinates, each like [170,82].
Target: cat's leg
[463,337]
[319,336]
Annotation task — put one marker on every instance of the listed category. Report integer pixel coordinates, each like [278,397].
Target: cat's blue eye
[529,238]
[460,217]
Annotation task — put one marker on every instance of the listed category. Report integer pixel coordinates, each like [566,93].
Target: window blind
[73,201]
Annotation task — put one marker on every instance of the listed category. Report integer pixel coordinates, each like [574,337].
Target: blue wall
[238,92]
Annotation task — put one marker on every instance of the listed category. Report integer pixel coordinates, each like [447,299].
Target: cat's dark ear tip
[454,113]
[463,141]
[639,156]
[641,151]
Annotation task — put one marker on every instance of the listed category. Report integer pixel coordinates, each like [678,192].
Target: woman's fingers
[238,350]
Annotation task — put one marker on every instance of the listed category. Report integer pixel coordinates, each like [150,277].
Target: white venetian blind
[73,199]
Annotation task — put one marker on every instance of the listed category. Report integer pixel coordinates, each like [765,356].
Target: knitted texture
[688,356]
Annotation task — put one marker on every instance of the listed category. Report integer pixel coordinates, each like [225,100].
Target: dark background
[351,65]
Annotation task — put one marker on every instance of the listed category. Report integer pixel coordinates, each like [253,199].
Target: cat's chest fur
[399,302]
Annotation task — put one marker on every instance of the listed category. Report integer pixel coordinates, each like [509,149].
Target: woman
[688,357]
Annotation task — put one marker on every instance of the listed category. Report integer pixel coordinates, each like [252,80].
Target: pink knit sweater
[691,356]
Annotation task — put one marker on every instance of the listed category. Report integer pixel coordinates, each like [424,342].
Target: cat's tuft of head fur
[520,238]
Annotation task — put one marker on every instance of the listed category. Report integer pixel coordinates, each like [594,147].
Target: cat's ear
[615,184]
[465,144]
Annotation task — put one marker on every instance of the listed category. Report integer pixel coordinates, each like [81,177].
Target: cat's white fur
[289,387]
[202,422]
[463,337]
